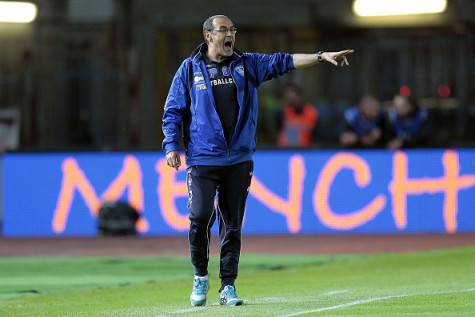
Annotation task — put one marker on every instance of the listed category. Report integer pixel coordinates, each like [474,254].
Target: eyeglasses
[225,30]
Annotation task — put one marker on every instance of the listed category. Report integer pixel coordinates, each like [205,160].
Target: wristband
[319,56]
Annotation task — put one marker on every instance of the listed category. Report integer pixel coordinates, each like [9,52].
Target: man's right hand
[173,159]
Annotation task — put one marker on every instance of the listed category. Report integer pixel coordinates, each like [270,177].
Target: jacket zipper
[231,68]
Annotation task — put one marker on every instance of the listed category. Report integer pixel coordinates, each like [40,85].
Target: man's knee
[201,221]
[233,233]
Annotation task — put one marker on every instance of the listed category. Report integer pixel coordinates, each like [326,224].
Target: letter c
[322,192]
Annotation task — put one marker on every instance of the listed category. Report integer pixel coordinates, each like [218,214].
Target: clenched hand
[173,159]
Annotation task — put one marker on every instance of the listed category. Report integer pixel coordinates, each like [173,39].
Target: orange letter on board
[322,192]
[74,178]
[292,207]
[451,183]
[168,189]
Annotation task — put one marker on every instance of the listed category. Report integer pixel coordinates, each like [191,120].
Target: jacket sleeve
[175,108]
[268,66]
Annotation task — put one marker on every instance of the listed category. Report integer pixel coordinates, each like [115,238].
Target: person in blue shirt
[408,123]
[212,104]
[365,124]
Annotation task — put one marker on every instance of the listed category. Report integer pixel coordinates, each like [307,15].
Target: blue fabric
[359,124]
[408,127]
[191,101]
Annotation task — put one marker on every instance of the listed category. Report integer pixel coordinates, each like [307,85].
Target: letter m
[74,180]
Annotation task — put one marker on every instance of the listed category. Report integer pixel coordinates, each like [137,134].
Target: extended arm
[306,60]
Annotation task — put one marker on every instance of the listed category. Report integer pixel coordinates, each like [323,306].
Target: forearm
[171,127]
[304,60]
[171,140]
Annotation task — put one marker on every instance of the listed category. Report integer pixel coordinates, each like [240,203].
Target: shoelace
[200,286]
[229,292]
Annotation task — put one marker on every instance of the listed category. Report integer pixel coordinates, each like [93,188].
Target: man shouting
[213,98]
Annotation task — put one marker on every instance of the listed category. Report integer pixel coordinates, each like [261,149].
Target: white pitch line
[344,305]
[335,292]
[369,300]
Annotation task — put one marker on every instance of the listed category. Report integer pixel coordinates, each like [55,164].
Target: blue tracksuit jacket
[190,105]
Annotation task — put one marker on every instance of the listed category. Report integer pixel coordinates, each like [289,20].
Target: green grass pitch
[436,283]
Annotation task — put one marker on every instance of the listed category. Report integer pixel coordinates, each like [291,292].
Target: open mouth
[228,44]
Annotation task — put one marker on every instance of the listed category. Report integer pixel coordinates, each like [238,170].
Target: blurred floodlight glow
[17,12]
[374,8]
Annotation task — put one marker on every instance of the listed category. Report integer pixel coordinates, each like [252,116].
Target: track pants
[231,185]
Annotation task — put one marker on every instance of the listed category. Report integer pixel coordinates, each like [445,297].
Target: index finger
[346,52]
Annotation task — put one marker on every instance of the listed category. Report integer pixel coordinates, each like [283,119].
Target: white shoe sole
[233,302]
[197,302]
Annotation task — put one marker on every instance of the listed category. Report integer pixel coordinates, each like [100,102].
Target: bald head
[208,23]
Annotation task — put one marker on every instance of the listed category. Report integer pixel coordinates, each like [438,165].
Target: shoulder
[392,115]
[311,109]
[351,114]
[184,69]
[250,56]
[187,62]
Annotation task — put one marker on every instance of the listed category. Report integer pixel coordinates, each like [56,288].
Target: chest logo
[213,72]
[225,71]
[240,70]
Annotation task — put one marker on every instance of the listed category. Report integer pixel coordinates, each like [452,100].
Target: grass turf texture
[437,283]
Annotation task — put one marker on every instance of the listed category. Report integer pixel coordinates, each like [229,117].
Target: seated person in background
[365,124]
[298,119]
[408,123]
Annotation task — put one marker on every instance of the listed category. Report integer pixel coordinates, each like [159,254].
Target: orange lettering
[74,178]
[450,184]
[168,189]
[322,193]
[292,207]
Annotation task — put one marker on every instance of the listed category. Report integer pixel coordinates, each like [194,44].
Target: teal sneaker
[228,297]
[200,289]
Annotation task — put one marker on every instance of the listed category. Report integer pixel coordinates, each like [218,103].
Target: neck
[213,55]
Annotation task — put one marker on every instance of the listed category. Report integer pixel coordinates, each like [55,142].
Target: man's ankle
[226,282]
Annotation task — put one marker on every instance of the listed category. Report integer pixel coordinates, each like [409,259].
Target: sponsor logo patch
[201,87]
[198,77]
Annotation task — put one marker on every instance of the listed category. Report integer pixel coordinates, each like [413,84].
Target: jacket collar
[201,49]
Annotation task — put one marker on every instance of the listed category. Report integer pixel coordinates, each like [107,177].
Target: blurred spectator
[270,108]
[9,129]
[365,124]
[298,119]
[408,123]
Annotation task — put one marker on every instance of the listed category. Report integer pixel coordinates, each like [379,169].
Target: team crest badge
[240,70]
[212,72]
[225,70]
